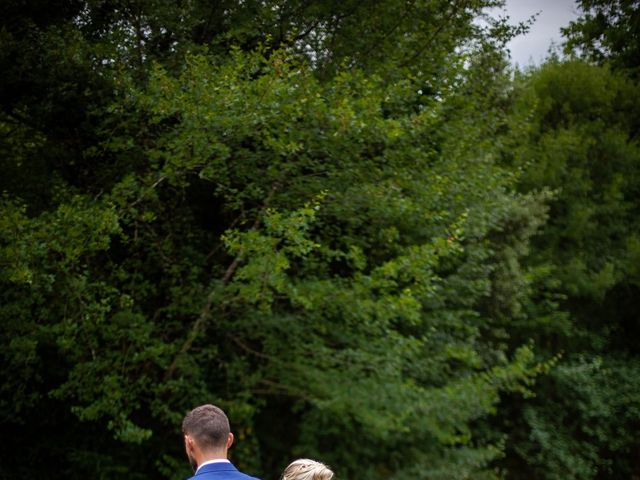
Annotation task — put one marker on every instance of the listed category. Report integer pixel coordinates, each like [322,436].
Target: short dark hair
[208,425]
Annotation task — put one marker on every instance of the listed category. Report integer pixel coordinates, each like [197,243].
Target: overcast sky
[533,47]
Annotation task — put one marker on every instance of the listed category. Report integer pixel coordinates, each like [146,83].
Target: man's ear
[229,440]
[188,442]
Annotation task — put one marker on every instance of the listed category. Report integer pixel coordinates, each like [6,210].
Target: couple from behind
[208,437]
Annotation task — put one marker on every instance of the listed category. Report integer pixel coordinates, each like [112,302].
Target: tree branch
[205,313]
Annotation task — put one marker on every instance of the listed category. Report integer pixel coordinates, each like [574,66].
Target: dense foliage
[581,141]
[607,31]
[345,222]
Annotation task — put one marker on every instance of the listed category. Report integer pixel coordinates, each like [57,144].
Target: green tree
[607,30]
[575,132]
[329,253]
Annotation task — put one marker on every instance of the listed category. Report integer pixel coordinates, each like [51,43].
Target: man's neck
[208,455]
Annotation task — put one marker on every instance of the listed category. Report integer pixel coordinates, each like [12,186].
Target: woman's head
[305,469]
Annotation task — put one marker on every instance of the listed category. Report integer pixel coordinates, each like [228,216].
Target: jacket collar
[216,467]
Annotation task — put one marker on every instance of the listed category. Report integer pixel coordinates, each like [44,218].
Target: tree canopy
[348,224]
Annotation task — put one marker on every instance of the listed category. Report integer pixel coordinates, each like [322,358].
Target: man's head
[207,435]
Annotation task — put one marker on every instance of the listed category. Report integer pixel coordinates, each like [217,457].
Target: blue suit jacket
[220,471]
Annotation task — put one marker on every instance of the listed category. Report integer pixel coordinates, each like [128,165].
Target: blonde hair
[305,469]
